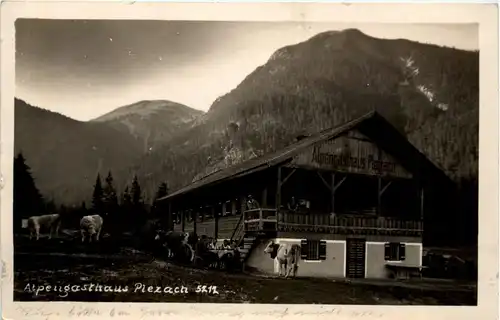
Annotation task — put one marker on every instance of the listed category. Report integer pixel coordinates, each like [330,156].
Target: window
[395,251]
[313,250]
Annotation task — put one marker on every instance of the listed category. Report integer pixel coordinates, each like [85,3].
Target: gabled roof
[373,125]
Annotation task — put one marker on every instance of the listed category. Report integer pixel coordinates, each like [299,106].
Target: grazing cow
[91,225]
[52,222]
[147,236]
[177,244]
[229,259]
[287,256]
[204,256]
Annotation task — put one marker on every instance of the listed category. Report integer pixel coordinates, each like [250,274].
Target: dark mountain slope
[151,122]
[428,92]
[65,155]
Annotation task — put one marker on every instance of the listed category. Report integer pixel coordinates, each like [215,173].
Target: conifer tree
[137,205]
[126,207]
[136,193]
[83,209]
[97,196]
[109,196]
[162,192]
[27,198]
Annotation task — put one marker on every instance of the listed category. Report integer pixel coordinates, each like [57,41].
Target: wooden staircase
[244,241]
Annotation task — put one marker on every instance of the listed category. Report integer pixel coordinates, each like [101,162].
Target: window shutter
[303,249]
[322,250]
[387,251]
[402,251]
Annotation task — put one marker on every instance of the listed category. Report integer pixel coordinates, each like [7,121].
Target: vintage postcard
[249,160]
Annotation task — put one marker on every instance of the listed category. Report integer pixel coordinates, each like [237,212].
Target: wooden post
[183,220]
[261,223]
[243,204]
[170,224]
[195,220]
[242,211]
[381,191]
[233,207]
[264,198]
[379,197]
[216,221]
[333,192]
[422,203]
[223,213]
[278,191]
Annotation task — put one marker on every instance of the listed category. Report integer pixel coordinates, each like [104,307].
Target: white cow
[287,255]
[51,222]
[91,225]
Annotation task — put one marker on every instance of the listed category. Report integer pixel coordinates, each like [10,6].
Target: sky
[86,68]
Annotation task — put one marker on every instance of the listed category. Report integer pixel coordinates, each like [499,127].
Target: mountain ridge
[427,92]
[335,77]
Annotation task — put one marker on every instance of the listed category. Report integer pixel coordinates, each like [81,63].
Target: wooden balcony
[267,220]
[260,220]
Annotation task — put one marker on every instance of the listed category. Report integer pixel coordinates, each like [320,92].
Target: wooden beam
[332,189]
[379,196]
[422,203]
[170,224]
[243,204]
[264,198]
[216,221]
[324,181]
[339,184]
[287,177]
[195,220]
[183,220]
[233,207]
[278,191]
[385,188]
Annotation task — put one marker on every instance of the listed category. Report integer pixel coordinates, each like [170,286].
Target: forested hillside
[428,92]
[151,122]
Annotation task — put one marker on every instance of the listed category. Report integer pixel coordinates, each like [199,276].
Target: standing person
[252,203]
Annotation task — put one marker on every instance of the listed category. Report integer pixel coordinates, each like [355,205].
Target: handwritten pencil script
[71,312]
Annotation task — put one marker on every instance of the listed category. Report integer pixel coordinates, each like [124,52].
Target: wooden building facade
[354,197]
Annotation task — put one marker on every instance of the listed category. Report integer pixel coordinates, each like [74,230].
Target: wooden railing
[261,219]
[239,231]
[269,220]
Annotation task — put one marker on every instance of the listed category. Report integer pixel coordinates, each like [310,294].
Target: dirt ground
[41,265]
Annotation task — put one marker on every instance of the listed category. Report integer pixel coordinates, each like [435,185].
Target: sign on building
[352,153]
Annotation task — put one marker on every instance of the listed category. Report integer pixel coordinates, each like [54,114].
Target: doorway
[356,257]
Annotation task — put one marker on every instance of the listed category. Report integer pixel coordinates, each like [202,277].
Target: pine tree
[27,198]
[137,199]
[83,206]
[126,208]
[162,192]
[126,198]
[110,198]
[137,205]
[83,209]
[97,196]
[50,206]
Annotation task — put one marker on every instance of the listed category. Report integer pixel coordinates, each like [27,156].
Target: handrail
[238,226]
[258,209]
